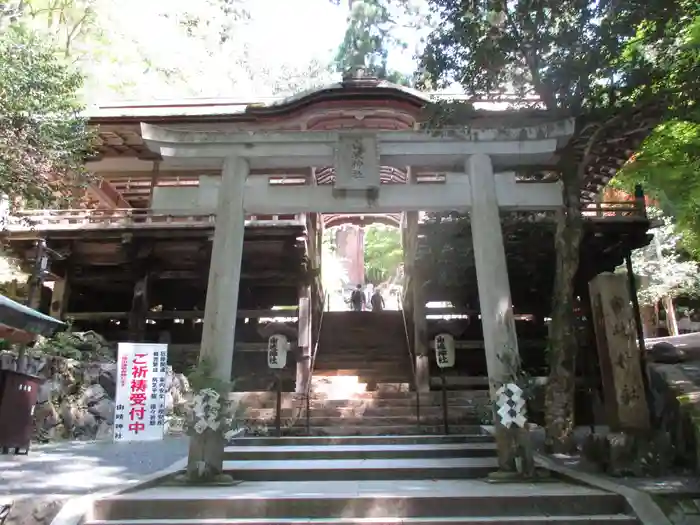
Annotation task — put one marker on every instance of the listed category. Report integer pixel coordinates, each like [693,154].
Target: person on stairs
[357,299]
[377,301]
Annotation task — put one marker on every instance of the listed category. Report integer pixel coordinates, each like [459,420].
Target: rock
[93,394]
[34,511]
[85,425]
[45,420]
[44,392]
[105,431]
[666,353]
[68,414]
[624,454]
[108,379]
[103,410]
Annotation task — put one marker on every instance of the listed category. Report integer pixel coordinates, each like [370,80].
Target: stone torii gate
[479,166]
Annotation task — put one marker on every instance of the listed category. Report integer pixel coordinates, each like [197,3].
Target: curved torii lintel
[331,220]
[387,175]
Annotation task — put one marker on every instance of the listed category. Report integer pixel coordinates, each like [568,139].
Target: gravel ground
[77,468]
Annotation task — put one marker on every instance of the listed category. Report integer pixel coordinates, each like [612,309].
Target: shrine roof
[375,92]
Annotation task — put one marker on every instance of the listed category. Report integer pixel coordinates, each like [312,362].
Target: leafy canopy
[383,252]
[368,38]
[43,138]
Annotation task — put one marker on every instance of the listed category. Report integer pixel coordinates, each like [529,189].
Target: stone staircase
[390,410]
[414,480]
[369,345]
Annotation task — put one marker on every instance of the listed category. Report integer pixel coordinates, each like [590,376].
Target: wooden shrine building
[179,185]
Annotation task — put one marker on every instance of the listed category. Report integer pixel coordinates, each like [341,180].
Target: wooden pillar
[155,172]
[304,342]
[500,339]
[218,333]
[59,298]
[139,310]
[619,355]
[36,280]
[417,301]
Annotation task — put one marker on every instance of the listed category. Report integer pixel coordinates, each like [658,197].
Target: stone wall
[76,398]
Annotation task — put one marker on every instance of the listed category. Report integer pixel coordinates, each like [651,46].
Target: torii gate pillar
[500,339]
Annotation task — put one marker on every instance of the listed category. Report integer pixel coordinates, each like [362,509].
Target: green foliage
[665,270]
[383,252]
[368,39]
[43,138]
[82,346]
[570,55]
[203,376]
[667,166]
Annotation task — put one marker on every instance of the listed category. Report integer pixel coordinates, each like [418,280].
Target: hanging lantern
[277,348]
[445,350]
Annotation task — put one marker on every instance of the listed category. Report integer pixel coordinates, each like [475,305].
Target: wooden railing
[47,220]
[133,218]
[630,209]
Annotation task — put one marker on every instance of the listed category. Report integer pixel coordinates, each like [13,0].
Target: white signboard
[139,413]
[445,350]
[277,347]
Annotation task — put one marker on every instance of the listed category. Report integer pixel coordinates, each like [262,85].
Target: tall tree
[570,55]
[43,138]
[383,252]
[370,36]
[669,160]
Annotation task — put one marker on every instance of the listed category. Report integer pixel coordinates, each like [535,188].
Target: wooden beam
[154,181]
[179,314]
[281,277]
[239,347]
[139,309]
[107,195]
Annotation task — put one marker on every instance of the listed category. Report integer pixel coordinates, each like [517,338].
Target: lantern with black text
[277,347]
[445,350]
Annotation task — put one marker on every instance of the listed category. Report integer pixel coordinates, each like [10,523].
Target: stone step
[603,519]
[409,401]
[361,469]
[478,436]
[401,373]
[453,412]
[388,421]
[389,411]
[402,390]
[394,430]
[391,500]
[266,453]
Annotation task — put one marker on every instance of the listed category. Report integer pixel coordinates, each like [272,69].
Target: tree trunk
[206,457]
[649,320]
[563,341]
[671,321]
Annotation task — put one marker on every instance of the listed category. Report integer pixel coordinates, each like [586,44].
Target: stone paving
[76,468]
[38,484]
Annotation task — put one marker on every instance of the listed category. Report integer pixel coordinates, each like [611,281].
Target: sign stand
[445,358]
[277,347]
[445,424]
[278,410]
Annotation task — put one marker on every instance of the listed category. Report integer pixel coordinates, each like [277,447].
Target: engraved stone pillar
[618,351]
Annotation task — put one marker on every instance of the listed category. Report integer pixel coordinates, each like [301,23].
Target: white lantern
[277,347]
[445,350]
